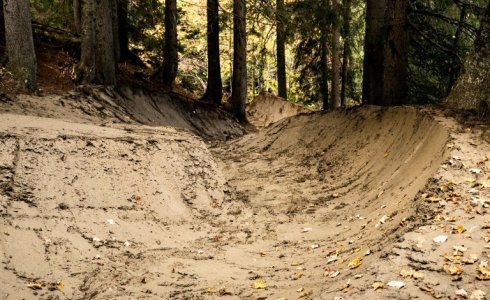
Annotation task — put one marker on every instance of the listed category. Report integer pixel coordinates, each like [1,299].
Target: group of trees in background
[388,52]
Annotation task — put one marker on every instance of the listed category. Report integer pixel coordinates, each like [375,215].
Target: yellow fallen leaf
[484,271]
[304,294]
[418,275]
[298,275]
[453,269]
[460,229]
[59,285]
[386,154]
[433,199]
[356,262]
[259,284]
[378,285]
[212,290]
[470,180]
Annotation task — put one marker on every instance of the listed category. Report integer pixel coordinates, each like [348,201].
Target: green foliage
[435,56]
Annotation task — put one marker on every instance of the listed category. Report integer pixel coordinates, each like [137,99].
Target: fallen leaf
[459,229]
[440,239]
[396,284]
[35,285]
[410,273]
[386,154]
[59,285]
[356,262]
[259,284]
[263,253]
[484,271]
[305,294]
[461,292]
[478,295]
[378,285]
[453,269]
[297,275]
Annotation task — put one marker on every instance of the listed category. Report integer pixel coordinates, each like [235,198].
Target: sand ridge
[97,209]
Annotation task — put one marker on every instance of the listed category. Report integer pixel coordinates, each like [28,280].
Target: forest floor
[123,194]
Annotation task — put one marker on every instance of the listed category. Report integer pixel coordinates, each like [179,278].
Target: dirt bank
[99,206]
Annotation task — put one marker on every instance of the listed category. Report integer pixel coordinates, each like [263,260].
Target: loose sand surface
[123,195]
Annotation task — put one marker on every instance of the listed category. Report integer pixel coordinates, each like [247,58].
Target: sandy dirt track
[98,209]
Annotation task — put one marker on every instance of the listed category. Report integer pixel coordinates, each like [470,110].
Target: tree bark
[77,15]
[215,85]
[323,59]
[396,53]
[335,99]
[239,81]
[97,63]
[122,13]
[2,29]
[372,89]
[115,30]
[347,53]
[386,52]
[280,49]
[170,50]
[472,89]
[454,69]
[20,42]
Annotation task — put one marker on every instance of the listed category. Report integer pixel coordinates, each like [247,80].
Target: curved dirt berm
[344,181]
[132,211]
[266,109]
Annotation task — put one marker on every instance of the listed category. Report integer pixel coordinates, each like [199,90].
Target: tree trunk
[115,30]
[215,86]
[386,52]
[20,42]
[281,51]
[122,13]
[335,99]
[77,15]
[454,69]
[472,89]
[170,50]
[97,63]
[396,53]
[323,59]
[239,84]
[346,56]
[2,31]
[372,84]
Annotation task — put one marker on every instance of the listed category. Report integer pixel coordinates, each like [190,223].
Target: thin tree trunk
[20,42]
[170,50]
[215,85]
[323,59]
[239,85]
[335,99]
[77,15]
[454,69]
[281,51]
[97,62]
[346,56]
